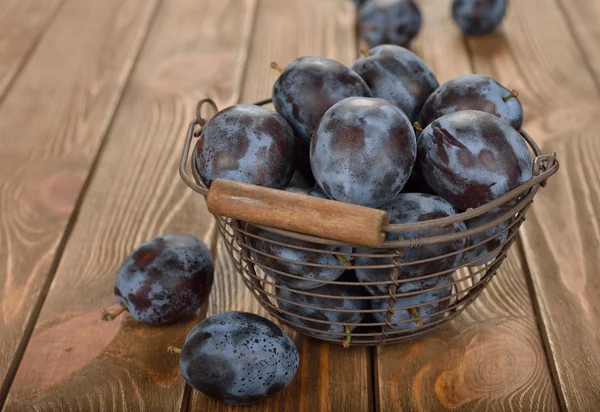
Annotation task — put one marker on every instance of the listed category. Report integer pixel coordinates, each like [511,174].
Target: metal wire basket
[279,240]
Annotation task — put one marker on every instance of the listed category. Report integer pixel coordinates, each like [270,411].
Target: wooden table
[95,97]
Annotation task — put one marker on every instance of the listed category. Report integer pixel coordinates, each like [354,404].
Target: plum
[249,144]
[389,22]
[309,86]
[411,208]
[318,306]
[238,358]
[363,151]
[473,92]
[315,191]
[298,259]
[408,315]
[398,75]
[490,249]
[478,17]
[471,158]
[165,279]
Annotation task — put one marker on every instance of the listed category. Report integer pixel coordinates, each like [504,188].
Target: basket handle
[347,223]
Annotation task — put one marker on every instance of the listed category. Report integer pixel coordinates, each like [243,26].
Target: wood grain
[74,362]
[491,356]
[535,53]
[22,24]
[330,378]
[561,242]
[52,123]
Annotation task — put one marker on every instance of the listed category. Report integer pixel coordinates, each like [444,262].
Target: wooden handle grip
[356,225]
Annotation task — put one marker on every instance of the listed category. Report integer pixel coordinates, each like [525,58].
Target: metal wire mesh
[280,268]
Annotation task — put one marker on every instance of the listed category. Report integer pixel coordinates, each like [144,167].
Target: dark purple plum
[487,250]
[165,279]
[411,208]
[238,358]
[398,75]
[363,151]
[315,191]
[389,22]
[478,17]
[298,259]
[248,144]
[471,158]
[309,86]
[407,312]
[473,92]
[318,308]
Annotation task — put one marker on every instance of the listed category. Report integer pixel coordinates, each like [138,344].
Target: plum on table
[478,17]
[471,158]
[398,75]
[308,87]
[389,22]
[411,208]
[239,358]
[473,92]
[165,279]
[249,144]
[363,151]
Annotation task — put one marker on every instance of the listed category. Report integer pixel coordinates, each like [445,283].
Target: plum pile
[238,358]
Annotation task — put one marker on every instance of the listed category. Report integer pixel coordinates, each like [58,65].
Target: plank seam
[539,321]
[35,313]
[34,46]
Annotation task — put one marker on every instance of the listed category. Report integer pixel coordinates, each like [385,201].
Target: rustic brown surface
[491,357]
[347,223]
[561,243]
[74,361]
[63,67]
[22,24]
[330,378]
[52,123]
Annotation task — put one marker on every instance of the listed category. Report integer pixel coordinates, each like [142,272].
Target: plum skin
[363,151]
[308,87]
[389,22]
[471,158]
[308,273]
[165,279]
[239,358]
[489,250]
[402,319]
[248,144]
[478,17]
[318,306]
[411,208]
[472,92]
[398,75]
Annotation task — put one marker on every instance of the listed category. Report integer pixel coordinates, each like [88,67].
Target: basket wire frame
[249,245]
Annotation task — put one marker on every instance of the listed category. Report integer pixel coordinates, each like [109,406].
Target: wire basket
[280,240]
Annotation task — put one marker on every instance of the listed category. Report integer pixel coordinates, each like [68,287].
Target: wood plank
[537,54]
[52,123]
[491,356]
[74,361]
[561,242]
[22,24]
[561,102]
[330,378]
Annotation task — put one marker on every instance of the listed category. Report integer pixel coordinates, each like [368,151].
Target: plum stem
[276,66]
[418,127]
[107,316]
[513,94]
[415,314]
[364,52]
[348,337]
[345,261]
[174,350]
